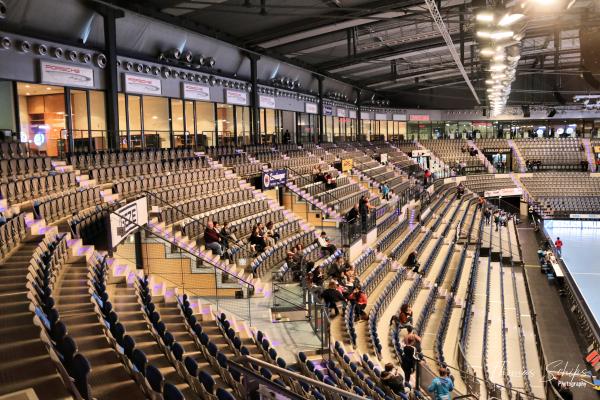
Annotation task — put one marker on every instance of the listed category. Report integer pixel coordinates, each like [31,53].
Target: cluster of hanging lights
[499,33]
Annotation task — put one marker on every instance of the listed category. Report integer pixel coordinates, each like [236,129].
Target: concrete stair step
[12,287]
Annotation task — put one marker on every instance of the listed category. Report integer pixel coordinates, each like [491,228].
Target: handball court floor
[556,327]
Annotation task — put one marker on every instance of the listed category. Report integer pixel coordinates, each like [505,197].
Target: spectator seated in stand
[405,318]
[325,244]
[413,261]
[330,182]
[271,237]
[349,280]
[395,383]
[212,239]
[227,235]
[337,268]
[359,299]
[257,241]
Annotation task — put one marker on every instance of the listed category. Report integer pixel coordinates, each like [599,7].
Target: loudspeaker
[239,294]
[558,96]
[3,9]
[526,111]
[590,79]
[484,112]
[552,113]
[590,47]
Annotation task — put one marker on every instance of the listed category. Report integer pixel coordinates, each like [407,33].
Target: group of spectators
[500,217]
[469,149]
[360,212]
[219,238]
[533,165]
[343,287]
[324,176]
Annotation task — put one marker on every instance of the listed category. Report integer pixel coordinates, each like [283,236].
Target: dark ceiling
[391,47]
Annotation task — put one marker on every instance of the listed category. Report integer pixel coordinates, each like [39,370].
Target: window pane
[156,122]
[42,116]
[205,117]
[225,123]
[177,122]
[79,120]
[189,118]
[122,120]
[98,119]
[243,124]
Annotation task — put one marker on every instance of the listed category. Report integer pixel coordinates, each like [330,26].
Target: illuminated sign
[193,91]
[380,117]
[311,108]
[365,115]
[236,97]
[327,110]
[341,112]
[66,75]
[39,139]
[142,85]
[266,101]
[399,117]
[418,117]
[352,114]
[347,164]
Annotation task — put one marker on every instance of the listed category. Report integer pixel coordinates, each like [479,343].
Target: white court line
[585,273]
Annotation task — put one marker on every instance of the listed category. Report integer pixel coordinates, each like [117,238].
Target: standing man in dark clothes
[363,208]
[331,296]
[352,216]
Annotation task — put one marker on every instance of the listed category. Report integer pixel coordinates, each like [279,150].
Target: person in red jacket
[558,244]
[359,299]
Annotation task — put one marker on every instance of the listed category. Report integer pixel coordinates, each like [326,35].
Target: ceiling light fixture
[485,16]
[510,19]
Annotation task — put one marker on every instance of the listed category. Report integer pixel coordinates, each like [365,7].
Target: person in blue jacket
[441,387]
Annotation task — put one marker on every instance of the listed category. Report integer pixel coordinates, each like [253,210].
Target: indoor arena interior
[300,199]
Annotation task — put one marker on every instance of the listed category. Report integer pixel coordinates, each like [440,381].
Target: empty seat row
[116,172]
[61,206]
[13,150]
[182,210]
[17,191]
[17,168]
[139,184]
[12,232]
[127,157]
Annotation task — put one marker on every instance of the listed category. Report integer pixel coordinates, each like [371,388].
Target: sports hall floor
[555,327]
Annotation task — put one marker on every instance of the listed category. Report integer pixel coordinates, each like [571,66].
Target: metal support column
[320,81]
[358,119]
[254,102]
[110,15]
[461,27]
[139,254]
[69,122]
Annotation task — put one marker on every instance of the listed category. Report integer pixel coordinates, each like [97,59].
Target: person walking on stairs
[441,387]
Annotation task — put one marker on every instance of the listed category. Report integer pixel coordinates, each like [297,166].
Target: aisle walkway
[558,339]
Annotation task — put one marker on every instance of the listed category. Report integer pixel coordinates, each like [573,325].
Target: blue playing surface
[581,254]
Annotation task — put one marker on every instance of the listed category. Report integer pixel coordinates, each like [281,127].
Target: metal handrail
[335,199]
[297,376]
[204,260]
[154,195]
